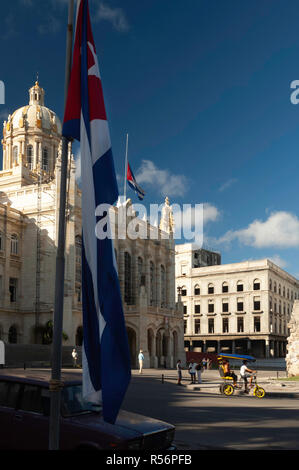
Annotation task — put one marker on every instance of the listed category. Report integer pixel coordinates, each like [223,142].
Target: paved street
[206,420]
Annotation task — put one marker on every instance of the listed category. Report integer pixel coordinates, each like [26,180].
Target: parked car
[25,408]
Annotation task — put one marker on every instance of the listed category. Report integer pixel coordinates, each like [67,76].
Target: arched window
[79,336]
[196,290]
[12,335]
[224,287]
[275,287]
[256,284]
[78,246]
[184,291]
[152,284]
[210,289]
[163,287]
[128,279]
[45,159]
[240,286]
[140,272]
[15,155]
[279,289]
[14,244]
[30,157]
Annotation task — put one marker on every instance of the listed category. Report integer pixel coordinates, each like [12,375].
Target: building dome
[32,137]
[36,114]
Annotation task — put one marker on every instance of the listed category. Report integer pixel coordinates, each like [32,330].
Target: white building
[239,307]
[29,209]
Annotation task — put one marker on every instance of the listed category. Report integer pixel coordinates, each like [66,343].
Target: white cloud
[276,259]
[163,181]
[227,184]
[190,220]
[281,229]
[115,16]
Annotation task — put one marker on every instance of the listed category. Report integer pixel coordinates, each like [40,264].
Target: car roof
[40,376]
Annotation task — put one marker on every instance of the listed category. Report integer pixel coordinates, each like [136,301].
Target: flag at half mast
[105,352]
[133,183]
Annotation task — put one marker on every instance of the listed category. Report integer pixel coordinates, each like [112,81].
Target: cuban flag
[105,352]
[133,183]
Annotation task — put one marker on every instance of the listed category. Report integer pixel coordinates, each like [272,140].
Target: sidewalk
[211,381]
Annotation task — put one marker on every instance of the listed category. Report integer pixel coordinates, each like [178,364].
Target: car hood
[129,425]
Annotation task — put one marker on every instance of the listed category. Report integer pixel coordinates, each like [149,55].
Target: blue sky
[203,89]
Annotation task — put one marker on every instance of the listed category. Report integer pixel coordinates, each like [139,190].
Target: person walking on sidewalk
[192,370]
[140,359]
[75,357]
[179,371]
[198,372]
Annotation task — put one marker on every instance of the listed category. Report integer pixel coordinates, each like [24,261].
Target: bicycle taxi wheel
[259,392]
[228,389]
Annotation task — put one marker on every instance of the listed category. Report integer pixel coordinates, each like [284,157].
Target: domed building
[31,138]
[29,210]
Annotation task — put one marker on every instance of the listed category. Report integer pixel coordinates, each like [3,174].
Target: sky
[203,88]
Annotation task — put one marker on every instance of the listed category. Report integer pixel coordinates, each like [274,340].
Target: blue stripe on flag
[91,333]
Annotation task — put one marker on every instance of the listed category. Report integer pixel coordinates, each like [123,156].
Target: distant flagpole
[126,169]
[55,383]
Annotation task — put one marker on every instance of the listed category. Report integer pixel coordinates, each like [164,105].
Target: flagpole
[55,382]
[126,170]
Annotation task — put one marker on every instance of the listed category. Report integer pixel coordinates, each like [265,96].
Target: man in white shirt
[245,373]
[141,359]
[192,370]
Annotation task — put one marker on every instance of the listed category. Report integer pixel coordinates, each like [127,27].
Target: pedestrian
[192,370]
[204,363]
[140,359]
[75,357]
[179,371]
[198,371]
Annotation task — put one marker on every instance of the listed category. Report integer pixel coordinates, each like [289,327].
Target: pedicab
[227,387]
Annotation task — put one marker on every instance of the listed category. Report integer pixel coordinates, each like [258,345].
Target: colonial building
[29,208]
[239,307]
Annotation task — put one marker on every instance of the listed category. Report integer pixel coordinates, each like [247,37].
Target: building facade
[238,308]
[29,210]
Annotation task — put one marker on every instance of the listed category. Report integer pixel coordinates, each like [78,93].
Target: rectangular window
[13,289]
[197,291]
[240,288]
[210,290]
[225,307]
[183,269]
[184,292]
[240,325]
[211,308]
[197,308]
[211,325]
[225,325]
[240,306]
[224,288]
[185,326]
[256,305]
[185,309]
[256,286]
[257,324]
[197,326]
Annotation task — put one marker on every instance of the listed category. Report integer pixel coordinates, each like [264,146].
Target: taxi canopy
[236,356]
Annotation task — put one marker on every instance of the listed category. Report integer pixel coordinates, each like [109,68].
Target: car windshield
[73,403]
